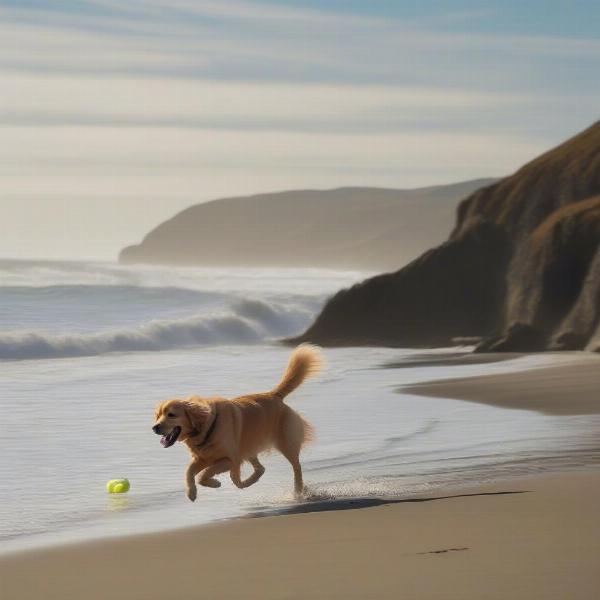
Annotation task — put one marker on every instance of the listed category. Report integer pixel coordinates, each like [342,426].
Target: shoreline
[561,390]
[485,387]
[532,536]
[521,538]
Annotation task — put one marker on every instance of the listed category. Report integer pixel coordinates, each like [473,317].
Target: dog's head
[178,419]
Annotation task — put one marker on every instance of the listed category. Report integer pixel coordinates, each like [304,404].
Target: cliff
[355,228]
[521,269]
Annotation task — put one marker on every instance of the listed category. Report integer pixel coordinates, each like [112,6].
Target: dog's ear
[197,413]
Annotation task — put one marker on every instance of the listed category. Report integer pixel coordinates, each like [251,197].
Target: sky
[115,115]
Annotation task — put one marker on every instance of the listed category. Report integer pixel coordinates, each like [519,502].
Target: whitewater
[88,349]
[59,310]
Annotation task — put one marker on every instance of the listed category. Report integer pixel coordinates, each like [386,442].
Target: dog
[222,434]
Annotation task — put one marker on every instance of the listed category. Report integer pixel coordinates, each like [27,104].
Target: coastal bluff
[368,229]
[520,271]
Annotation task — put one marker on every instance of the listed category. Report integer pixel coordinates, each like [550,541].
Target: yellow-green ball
[118,486]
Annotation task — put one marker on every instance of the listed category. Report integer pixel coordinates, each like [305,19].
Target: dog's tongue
[163,441]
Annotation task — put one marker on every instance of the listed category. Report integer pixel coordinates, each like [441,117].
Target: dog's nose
[156,428]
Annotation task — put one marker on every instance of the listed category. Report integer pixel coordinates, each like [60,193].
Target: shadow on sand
[332,504]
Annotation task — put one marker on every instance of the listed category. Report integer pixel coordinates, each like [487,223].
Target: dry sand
[571,389]
[543,543]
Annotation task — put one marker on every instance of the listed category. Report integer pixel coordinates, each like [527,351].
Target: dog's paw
[302,494]
[191,493]
[212,482]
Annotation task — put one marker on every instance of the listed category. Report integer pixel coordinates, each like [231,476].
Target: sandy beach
[521,539]
[571,389]
[526,538]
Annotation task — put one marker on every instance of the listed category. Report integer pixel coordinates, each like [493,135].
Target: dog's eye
[171,415]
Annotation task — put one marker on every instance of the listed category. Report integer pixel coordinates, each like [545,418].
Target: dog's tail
[305,361]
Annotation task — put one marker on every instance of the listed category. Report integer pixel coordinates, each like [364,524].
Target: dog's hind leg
[294,458]
[291,451]
[292,435]
[207,478]
[244,483]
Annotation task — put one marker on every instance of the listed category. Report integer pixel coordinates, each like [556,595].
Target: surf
[246,322]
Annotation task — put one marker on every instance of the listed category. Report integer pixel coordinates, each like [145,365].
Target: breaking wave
[248,322]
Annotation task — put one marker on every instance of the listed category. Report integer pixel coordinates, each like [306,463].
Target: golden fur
[221,434]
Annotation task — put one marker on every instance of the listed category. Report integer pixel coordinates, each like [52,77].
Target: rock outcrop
[521,268]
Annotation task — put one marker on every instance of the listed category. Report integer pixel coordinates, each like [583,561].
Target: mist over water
[87,350]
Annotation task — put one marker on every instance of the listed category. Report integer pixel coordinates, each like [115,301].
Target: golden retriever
[221,434]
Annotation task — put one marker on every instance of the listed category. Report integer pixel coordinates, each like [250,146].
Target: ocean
[88,349]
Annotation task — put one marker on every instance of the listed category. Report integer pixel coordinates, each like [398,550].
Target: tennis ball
[117,486]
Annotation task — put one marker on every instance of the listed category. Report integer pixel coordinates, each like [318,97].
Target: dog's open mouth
[170,438]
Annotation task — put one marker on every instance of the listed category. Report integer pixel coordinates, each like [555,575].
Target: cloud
[247,40]
[148,105]
[150,160]
[137,101]
[466,15]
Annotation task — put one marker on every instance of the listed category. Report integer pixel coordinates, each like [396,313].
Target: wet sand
[565,389]
[451,359]
[522,539]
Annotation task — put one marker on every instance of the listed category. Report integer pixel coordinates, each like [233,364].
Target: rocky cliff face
[521,268]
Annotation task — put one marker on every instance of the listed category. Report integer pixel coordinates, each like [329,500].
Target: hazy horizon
[115,117]
[426,234]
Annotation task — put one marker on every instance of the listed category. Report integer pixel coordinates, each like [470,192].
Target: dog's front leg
[195,466]
[236,476]
[207,478]
[258,473]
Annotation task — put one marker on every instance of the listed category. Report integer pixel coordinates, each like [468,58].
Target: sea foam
[248,322]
